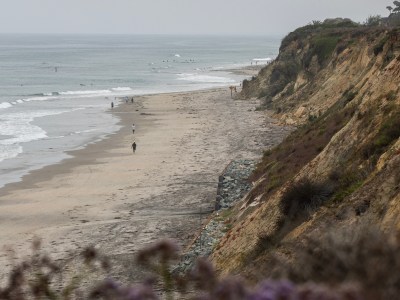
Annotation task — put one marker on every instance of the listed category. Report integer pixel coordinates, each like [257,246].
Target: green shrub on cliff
[379,47]
[388,132]
[302,196]
[316,26]
[322,47]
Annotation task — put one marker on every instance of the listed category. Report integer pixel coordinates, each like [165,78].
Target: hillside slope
[340,169]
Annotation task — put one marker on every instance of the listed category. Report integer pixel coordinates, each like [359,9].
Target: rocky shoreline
[232,186]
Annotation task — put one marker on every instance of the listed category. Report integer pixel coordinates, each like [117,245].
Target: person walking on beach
[133,128]
[133,147]
[112,105]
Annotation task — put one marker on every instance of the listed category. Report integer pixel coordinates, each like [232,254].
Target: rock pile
[232,186]
[202,246]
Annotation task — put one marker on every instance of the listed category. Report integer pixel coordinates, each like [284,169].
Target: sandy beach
[119,201]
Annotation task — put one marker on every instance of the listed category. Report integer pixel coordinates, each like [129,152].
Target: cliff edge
[338,174]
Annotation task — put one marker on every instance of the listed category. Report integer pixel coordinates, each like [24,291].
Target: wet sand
[119,201]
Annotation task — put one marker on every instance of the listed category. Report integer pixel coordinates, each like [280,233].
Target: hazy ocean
[55,91]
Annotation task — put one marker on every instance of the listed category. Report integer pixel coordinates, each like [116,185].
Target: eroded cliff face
[341,87]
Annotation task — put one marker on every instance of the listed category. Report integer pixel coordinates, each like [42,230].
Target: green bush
[387,134]
[303,196]
[373,20]
[379,47]
[323,47]
[284,71]
[340,48]
[391,96]
[346,182]
[349,95]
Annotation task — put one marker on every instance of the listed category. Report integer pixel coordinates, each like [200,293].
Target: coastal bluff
[337,176]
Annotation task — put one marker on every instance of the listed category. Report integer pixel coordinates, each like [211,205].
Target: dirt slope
[340,86]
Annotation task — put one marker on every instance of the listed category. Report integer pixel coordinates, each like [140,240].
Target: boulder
[290,121]
[300,112]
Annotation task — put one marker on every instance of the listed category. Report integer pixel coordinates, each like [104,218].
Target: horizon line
[148,34]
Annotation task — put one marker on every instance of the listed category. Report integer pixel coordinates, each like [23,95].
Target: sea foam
[121,89]
[5,105]
[88,92]
[264,60]
[19,129]
[204,78]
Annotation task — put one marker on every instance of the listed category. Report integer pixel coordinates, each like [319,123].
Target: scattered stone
[300,112]
[290,121]
[232,186]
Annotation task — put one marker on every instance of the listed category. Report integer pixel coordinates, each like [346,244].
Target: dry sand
[119,201]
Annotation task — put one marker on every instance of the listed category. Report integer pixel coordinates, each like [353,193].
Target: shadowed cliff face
[341,167]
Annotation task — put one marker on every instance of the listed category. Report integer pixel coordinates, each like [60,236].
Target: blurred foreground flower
[35,278]
[286,290]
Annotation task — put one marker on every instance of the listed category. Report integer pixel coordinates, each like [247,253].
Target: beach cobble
[232,186]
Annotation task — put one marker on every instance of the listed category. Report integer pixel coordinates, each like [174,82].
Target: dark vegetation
[282,74]
[316,26]
[321,46]
[298,202]
[345,181]
[304,196]
[379,47]
[388,132]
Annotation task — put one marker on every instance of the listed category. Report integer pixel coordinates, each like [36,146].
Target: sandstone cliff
[340,85]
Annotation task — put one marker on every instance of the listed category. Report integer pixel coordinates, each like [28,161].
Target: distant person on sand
[132,100]
[133,128]
[133,147]
[112,105]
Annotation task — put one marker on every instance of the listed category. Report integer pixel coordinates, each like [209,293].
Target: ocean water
[55,91]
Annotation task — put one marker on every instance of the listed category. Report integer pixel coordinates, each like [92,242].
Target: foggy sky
[255,17]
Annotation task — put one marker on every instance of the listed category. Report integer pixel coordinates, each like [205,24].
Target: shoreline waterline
[54,158]
[48,170]
[55,87]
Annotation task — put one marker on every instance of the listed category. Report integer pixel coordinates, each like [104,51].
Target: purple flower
[274,290]
[164,249]
[230,289]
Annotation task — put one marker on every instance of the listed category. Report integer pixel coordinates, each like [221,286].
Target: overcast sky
[266,17]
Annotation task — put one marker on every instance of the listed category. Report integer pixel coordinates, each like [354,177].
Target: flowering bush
[35,279]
